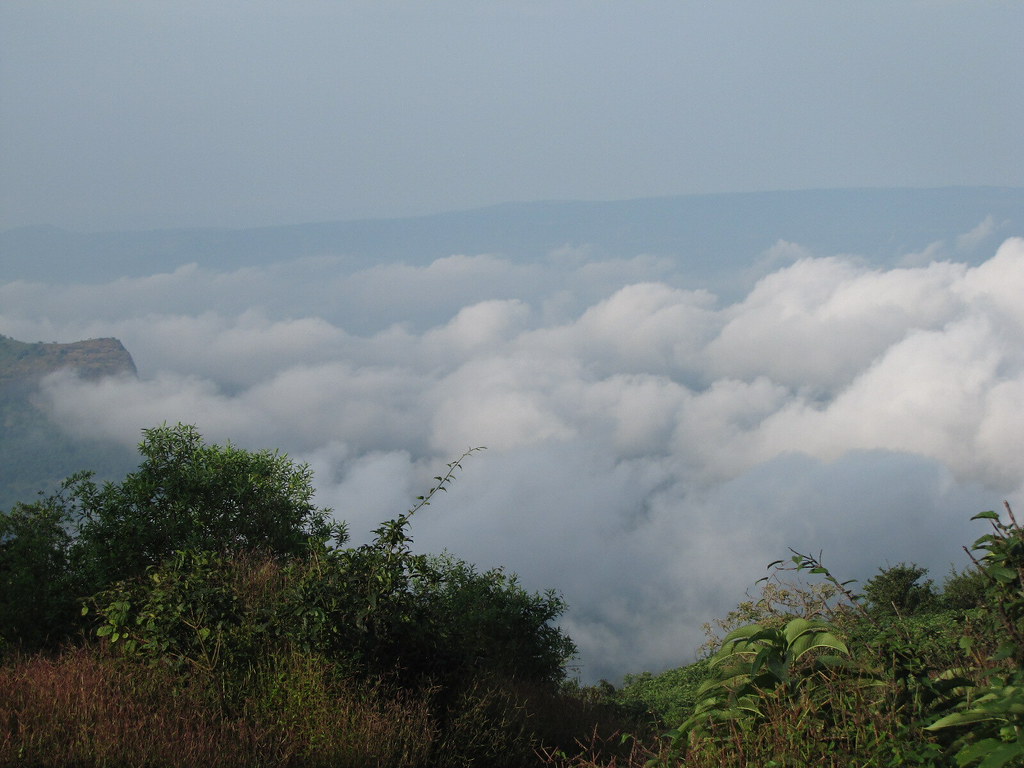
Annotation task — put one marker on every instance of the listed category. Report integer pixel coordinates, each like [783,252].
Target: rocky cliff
[36,453]
[22,362]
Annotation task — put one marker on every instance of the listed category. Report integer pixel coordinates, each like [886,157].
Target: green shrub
[38,591]
[190,496]
[670,696]
[989,720]
[185,496]
[444,624]
[964,590]
[377,609]
[899,590]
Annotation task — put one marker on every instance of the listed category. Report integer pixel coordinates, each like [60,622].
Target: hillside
[94,358]
[35,453]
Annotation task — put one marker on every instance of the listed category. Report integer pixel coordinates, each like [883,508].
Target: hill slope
[35,454]
[22,362]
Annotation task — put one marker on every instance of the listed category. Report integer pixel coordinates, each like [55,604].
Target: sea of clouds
[651,447]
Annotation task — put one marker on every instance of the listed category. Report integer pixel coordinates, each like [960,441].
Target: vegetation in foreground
[204,611]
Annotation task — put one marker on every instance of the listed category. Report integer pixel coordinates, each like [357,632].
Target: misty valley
[741,500]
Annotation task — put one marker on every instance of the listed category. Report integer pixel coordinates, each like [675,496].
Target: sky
[651,446]
[150,114]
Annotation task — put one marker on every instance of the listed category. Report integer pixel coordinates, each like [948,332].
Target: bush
[187,495]
[898,589]
[670,696]
[471,624]
[378,609]
[444,624]
[964,590]
[37,588]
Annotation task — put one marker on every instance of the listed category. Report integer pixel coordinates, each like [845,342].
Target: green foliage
[378,609]
[964,590]
[232,577]
[899,590]
[180,611]
[487,623]
[992,718]
[187,495]
[37,588]
[755,662]
[671,696]
[448,623]
[212,564]
[903,675]
[778,602]
[212,558]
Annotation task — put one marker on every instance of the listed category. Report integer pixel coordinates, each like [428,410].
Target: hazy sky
[244,112]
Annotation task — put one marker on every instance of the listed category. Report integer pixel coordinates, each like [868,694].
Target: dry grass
[83,708]
[88,708]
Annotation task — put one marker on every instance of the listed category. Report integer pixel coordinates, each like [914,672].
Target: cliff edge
[24,362]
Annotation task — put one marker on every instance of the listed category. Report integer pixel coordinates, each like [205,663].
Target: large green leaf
[818,639]
[993,753]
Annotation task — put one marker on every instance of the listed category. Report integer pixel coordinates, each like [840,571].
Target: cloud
[649,448]
[820,322]
[965,245]
[970,241]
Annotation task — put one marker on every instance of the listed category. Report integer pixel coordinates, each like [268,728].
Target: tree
[898,589]
[964,590]
[378,609]
[37,587]
[215,557]
[187,495]
[486,624]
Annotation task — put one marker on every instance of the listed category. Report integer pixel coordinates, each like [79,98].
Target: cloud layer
[650,448]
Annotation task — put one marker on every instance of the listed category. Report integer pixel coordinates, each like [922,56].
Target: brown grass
[88,708]
[83,708]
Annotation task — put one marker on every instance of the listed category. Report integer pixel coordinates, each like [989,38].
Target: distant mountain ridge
[708,235]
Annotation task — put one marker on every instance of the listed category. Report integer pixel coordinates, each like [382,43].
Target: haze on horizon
[249,112]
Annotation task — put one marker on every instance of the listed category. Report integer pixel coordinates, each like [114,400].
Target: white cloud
[478,327]
[649,449]
[819,322]
[925,395]
[971,241]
